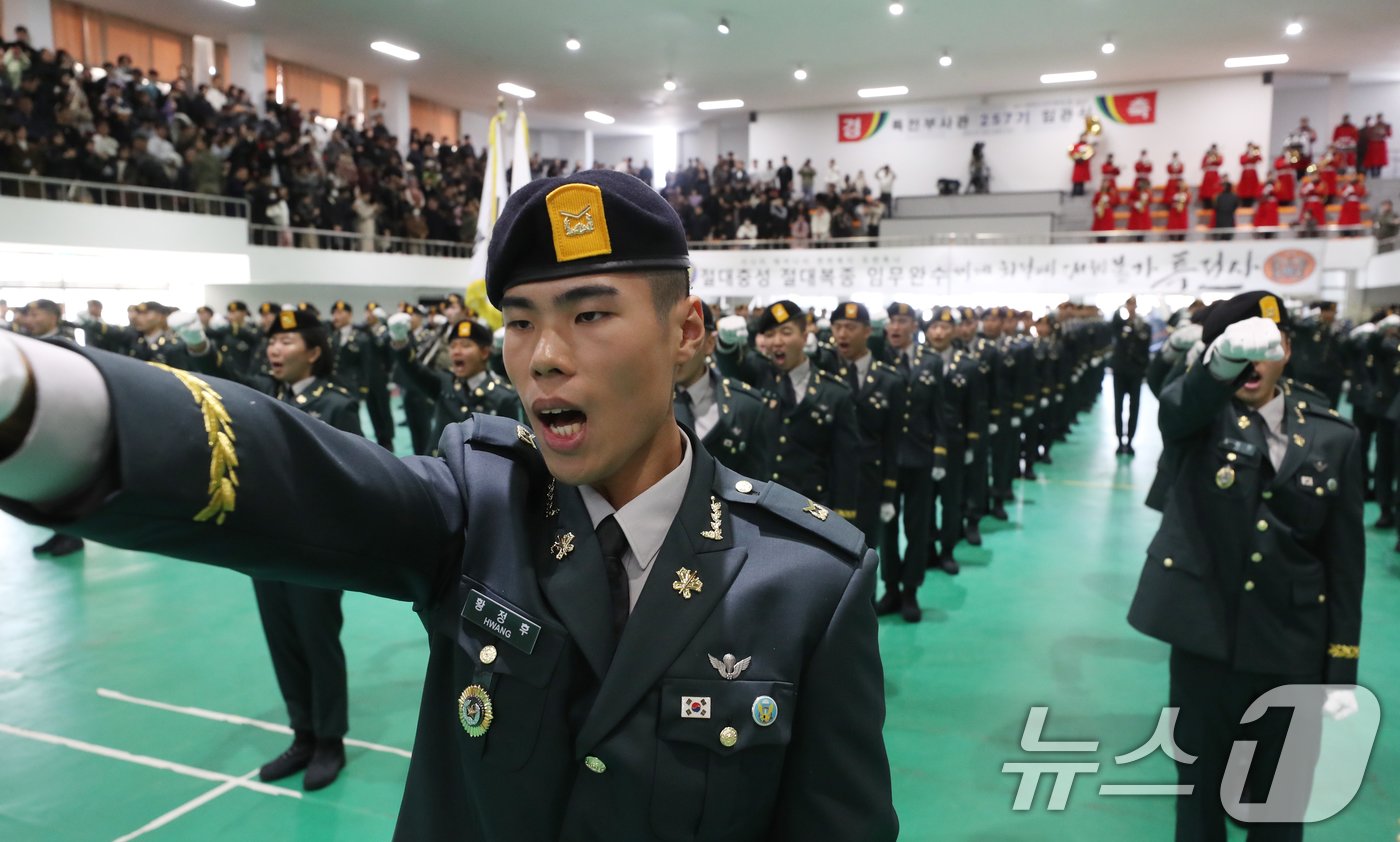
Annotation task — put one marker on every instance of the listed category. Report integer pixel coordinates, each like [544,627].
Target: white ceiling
[630,46]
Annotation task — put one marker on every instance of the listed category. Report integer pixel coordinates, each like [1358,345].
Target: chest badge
[730,667]
[1225,477]
[563,545]
[765,711]
[695,707]
[474,710]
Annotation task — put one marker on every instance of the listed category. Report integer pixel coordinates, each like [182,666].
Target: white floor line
[17,676]
[235,719]
[188,807]
[143,760]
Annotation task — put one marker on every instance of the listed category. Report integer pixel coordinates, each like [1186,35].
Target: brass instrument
[1092,125]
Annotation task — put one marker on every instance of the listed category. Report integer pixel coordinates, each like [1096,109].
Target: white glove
[993,429]
[1044,403]
[14,374]
[88,321]
[886,512]
[218,322]
[1362,330]
[1185,336]
[811,345]
[1016,421]
[380,314]
[399,325]
[498,339]
[1244,342]
[877,322]
[969,457]
[1391,321]
[186,326]
[733,331]
[939,474]
[439,320]
[1340,703]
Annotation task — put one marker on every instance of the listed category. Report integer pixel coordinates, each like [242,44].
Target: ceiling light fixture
[945,60]
[719,104]
[600,117]
[1293,28]
[670,83]
[723,26]
[1061,78]
[573,44]
[872,93]
[1109,48]
[515,90]
[242,4]
[800,74]
[1257,61]
[394,50]
[896,9]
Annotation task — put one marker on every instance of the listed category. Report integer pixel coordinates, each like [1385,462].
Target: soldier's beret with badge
[307,306]
[268,308]
[944,314]
[780,313]
[342,306]
[372,306]
[850,311]
[294,321]
[1246,305]
[899,308]
[237,307]
[969,314]
[473,330]
[589,223]
[155,307]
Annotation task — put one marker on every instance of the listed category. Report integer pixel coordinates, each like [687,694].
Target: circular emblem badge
[474,710]
[765,711]
[1225,477]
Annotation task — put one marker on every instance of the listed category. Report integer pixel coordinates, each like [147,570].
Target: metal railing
[274,236]
[120,195]
[1040,239]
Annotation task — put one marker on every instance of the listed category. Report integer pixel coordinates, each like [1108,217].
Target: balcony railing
[120,195]
[273,236]
[1051,238]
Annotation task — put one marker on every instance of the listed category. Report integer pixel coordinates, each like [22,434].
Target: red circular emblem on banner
[1290,266]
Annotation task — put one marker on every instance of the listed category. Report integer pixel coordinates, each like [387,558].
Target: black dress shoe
[326,763]
[909,607]
[1385,522]
[61,545]
[291,761]
[949,565]
[889,603]
[1119,451]
[973,534]
[999,511]
[1369,496]
[1046,459]
[1030,474]
[1128,449]
[46,547]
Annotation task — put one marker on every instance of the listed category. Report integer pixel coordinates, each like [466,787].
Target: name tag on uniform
[512,627]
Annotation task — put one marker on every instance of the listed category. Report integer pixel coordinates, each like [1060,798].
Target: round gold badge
[474,710]
[1225,477]
[728,737]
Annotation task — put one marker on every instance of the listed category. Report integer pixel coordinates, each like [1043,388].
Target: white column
[355,99]
[588,149]
[37,16]
[203,69]
[470,123]
[1338,103]
[393,96]
[247,65]
[666,145]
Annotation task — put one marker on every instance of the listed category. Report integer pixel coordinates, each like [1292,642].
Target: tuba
[1092,125]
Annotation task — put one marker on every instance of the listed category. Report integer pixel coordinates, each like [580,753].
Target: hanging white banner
[980,273]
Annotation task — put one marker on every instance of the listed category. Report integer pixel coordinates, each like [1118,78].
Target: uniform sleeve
[347,418]
[1344,536]
[1191,402]
[416,373]
[977,394]
[845,460]
[744,364]
[836,779]
[234,478]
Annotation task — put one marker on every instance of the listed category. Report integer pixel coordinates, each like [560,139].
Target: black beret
[342,304]
[293,321]
[780,313]
[237,307]
[1199,317]
[852,312]
[944,314]
[267,308]
[473,330]
[708,314]
[307,306]
[969,314]
[899,308]
[1246,305]
[372,305]
[588,223]
[154,307]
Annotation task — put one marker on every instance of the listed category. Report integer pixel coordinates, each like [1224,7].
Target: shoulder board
[799,511]
[741,386]
[1321,410]
[342,390]
[499,433]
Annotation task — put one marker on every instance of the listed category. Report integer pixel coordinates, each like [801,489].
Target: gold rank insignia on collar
[525,436]
[1299,440]
[563,545]
[550,509]
[714,533]
[818,512]
[687,581]
[1243,423]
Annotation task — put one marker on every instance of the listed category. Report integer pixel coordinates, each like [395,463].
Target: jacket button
[778,458]
[1268,495]
[743,486]
[728,737]
[1257,557]
[782,439]
[595,765]
[488,654]
[1322,597]
[1262,526]
[1249,586]
[1166,562]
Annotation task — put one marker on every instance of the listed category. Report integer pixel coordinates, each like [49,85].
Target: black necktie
[614,545]
[685,408]
[789,393]
[853,377]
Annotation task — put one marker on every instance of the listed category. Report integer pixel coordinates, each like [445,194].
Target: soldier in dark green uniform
[818,444]
[977,480]
[923,460]
[1006,405]
[734,421]
[43,319]
[352,352]
[1030,361]
[1255,576]
[150,339]
[879,393]
[469,388]
[240,342]
[381,362]
[419,409]
[1383,351]
[1132,338]
[1318,359]
[964,417]
[1361,375]
[627,640]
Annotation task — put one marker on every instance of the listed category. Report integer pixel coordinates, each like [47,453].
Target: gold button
[1320,492]
[743,486]
[595,765]
[1262,526]
[1257,557]
[775,475]
[1166,562]
[1249,586]
[778,458]
[1268,495]
[787,420]
[782,439]
[728,737]
[1322,597]
[488,654]
[1230,457]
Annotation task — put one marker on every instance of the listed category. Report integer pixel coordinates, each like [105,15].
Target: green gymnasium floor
[137,699]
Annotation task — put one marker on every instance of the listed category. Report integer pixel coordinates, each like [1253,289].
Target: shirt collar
[647,518]
[303,384]
[477,379]
[701,389]
[1272,413]
[802,372]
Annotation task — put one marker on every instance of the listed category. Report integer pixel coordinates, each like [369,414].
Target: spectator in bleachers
[1385,226]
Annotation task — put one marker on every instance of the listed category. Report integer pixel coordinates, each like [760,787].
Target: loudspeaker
[1268,77]
[753,116]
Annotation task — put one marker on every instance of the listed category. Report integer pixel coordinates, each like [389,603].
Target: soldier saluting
[578,581]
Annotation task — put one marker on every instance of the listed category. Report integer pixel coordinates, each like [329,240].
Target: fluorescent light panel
[1061,78]
[394,50]
[242,4]
[719,104]
[600,117]
[872,93]
[1257,61]
[515,90]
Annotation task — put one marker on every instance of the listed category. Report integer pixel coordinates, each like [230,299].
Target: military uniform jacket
[352,358]
[1361,372]
[881,410]
[324,400]
[1131,340]
[1317,355]
[382,358]
[819,442]
[453,397]
[244,348]
[770,577]
[166,349]
[998,377]
[1384,363]
[922,441]
[965,410]
[1257,568]
[744,436]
